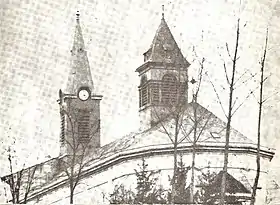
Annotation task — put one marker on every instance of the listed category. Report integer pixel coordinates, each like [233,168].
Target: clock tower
[163,77]
[79,105]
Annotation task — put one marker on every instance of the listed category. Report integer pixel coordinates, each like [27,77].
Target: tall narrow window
[169,89]
[143,95]
[83,127]
[155,93]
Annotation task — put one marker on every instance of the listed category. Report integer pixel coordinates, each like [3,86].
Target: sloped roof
[156,140]
[211,132]
[164,48]
[233,186]
[210,129]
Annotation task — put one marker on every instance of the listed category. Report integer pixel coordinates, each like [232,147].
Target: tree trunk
[231,89]
[71,197]
[255,186]
[192,177]
[71,191]
[173,191]
[193,149]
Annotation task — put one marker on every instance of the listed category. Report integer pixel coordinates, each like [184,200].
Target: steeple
[163,77]
[80,75]
[79,106]
[164,48]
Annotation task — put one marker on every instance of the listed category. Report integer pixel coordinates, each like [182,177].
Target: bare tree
[232,108]
[21,182]
[178,119]
[231,83]
[197,129]
[76,157]
[261,101]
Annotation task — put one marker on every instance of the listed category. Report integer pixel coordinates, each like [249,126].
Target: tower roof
[164,48]
[80,75]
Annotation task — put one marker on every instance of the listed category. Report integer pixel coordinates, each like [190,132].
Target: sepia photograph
[140,102]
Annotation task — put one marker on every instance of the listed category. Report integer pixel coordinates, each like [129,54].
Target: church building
[163,83]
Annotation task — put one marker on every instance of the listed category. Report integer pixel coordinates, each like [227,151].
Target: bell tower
[163,77]
[79,105]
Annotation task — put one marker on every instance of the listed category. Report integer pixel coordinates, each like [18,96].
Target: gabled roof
[80,74]
[233,186]
[164,48]
[211,130]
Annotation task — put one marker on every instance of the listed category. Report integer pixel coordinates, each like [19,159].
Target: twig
[218,97]
[226,74]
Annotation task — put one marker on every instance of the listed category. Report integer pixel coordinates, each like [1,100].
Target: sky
[37,36]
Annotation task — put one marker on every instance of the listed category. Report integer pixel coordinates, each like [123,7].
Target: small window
[215,135]
[83,127]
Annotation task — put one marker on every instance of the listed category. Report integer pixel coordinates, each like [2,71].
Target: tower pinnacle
[77,15]
[80,75]
[162,14]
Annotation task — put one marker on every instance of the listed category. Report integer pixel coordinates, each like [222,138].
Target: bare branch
[186,135]
[225,70]
[163,126]
[218,97]
[203,128]
[246,98]
[245,81]
[270,96]
[228,52]
[240,77]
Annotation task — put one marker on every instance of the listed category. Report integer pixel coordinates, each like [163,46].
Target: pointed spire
[80,75]
[78,38]
[164,48]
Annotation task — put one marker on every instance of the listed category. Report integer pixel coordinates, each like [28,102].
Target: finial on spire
[77,15]
[162,14]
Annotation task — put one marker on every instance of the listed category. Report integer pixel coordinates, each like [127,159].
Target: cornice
[155,150]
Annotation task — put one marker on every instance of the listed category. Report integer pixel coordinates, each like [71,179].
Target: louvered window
[144,92]
[83,127]
[155,93]
[169,89]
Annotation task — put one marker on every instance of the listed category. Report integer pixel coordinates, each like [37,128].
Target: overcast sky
[35,48]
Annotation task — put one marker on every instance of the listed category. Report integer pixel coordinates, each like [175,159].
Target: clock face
[83,94]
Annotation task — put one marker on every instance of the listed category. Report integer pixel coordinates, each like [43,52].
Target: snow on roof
[210,131]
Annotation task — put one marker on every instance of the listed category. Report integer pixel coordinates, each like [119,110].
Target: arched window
[169,89]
